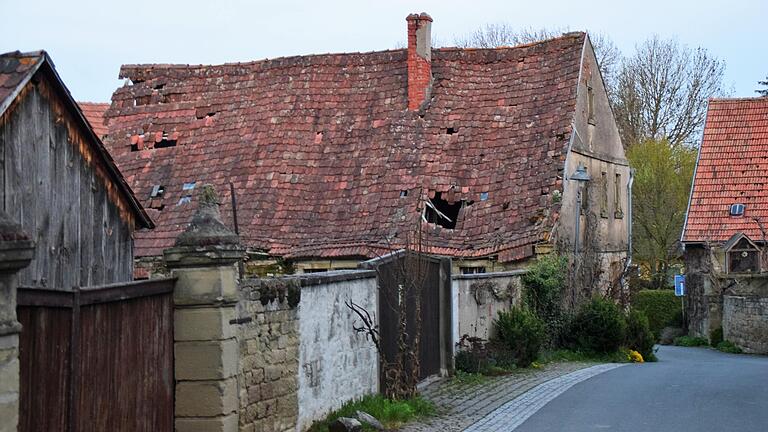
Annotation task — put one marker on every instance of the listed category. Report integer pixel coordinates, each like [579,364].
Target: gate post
[205,262]
[16,251]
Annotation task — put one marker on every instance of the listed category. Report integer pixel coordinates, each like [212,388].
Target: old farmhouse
[59,182]
[725,227]
[335,158]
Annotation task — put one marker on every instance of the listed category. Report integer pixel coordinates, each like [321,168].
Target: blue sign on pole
[679,285]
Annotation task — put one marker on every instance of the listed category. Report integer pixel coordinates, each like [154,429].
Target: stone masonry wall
[269,352]
[745,323]
[478,298]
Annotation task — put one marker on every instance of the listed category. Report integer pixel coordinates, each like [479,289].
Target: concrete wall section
[336,363]
[478,298]
[745,322]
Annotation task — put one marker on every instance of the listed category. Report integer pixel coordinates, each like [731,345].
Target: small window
[188,186]
[737,209]
[472,270]
[604,195]
[186,191]
[618,212]
[403,193]
[590,105]
[483,196]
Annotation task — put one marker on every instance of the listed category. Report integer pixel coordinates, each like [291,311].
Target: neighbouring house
[725,227]
[337,158]
[59,182]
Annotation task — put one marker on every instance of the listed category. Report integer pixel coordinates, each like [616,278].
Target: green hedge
[661,307]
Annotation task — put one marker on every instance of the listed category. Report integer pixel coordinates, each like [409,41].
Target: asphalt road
[688,389]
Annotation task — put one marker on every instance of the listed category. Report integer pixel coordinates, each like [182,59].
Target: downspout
[628,263]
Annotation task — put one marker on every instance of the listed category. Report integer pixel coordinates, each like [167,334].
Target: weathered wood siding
[49,188]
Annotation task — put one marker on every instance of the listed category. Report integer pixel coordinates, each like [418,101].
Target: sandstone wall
[745,322]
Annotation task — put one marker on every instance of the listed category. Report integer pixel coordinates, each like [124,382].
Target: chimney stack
[419,59]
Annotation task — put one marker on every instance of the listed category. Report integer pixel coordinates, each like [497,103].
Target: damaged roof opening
[440,212]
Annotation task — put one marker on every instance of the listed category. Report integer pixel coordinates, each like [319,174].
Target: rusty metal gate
[97,359]
[431,278]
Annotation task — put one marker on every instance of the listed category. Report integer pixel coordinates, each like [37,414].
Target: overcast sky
[89,40]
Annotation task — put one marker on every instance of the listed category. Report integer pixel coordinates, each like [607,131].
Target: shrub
[543,294]
[661,307]
[522,332]
[691,341]
[472,355]
[728,347]
[716,337]
[639,336]
[599,326]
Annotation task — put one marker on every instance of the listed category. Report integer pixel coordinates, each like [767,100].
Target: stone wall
[745,322]
[336,363]
[268,366]
[478,298]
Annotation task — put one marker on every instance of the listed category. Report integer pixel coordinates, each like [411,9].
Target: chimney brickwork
[419,59]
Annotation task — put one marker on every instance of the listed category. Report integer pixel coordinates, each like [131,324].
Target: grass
[466,378]
[390,413]
[690,341]
[728,347]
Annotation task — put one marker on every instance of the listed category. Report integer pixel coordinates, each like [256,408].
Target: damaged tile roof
[326,161]
[17,69]
[94,113]
[732,169]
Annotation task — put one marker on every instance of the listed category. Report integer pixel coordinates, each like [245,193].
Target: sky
[89,40]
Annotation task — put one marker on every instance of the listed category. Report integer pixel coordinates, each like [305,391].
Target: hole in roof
[440,212]
[159,86]
[483,196]
[737,209]
[188,186]
[134,147]
[505,205]
[185,200]
[452,130]
[165,142]
[157,191]
[403,193]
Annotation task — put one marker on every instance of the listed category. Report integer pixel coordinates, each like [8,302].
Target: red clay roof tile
[732,168]
[320,147]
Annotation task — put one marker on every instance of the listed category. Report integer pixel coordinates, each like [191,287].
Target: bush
[599,327]
[543,294]
[716,337]
[661,307]
[728,347]
[522,332]
[639,336]
[691,341]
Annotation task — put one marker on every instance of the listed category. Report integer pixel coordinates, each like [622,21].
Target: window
[737,209]
[604,195]
[472,270]
[618,213]
[743,256]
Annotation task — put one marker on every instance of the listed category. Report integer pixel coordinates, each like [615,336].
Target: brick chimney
[419,59]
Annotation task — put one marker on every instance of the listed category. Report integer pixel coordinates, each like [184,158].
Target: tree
[763,92]
[660,198]
[502,34]
[661,91]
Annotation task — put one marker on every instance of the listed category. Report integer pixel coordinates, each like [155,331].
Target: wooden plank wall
[97,360]
[49,188]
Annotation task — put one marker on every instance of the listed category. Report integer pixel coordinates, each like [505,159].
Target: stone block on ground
[345,424]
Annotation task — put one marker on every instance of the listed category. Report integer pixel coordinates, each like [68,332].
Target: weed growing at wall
[544,285]
[390,413]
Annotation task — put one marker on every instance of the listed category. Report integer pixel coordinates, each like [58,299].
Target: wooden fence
[97,359]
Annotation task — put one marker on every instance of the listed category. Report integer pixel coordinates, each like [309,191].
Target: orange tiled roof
[94,113]
[732,168]
[319,148]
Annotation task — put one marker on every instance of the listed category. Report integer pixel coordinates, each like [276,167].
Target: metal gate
[97,359]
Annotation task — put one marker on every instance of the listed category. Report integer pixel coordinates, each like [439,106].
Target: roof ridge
[572,35]
[739,99]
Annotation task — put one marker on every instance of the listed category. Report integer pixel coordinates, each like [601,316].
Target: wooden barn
[58,181]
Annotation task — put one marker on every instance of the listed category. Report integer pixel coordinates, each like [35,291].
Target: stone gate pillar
[205,262]
[16,251]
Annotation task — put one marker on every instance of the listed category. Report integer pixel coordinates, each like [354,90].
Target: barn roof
[94,113]
[326,161]
[16,71]
[732,169]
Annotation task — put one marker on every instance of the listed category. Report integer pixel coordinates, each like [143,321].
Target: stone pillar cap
[206,227]
[16,248]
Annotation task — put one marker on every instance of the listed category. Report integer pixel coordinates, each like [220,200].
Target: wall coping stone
[314,279]
[489,275]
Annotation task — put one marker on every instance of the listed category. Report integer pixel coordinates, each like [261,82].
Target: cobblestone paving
[498,403]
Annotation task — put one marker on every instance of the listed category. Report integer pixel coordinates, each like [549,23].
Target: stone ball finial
[206,227]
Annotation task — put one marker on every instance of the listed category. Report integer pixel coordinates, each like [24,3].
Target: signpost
[680,292]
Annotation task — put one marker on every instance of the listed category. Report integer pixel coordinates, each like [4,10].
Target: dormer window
[737,209]
[741,255]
